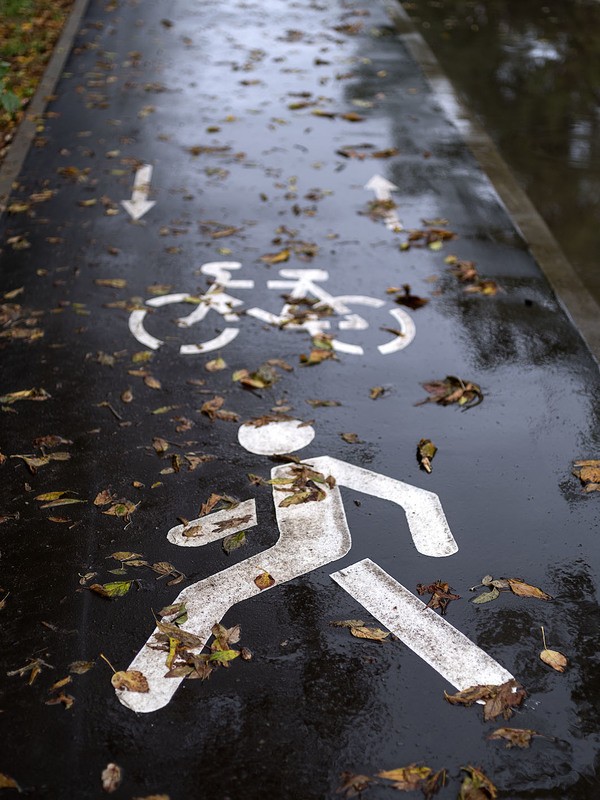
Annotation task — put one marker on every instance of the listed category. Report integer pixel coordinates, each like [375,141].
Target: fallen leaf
[499,699]
[588,472]
[486,597]
[553,658]
[131,680]
[351,438]
[476,786]
[523,589]
[452,390]
[112,589]
[81,667]
[124,509]
[63,501]
[66,699]
[103,498]
[519,737]
[276,258]
[353,785]
[264,580]
[406,779]
[113,283]
[215,365]
[324,403]
[426,450]
[234,541]
[441,595]
[6,782]
[152,382]
[374,634]
[111,778]
[352,116]
[407,299]
[376,392]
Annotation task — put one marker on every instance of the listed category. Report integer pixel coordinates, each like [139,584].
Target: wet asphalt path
[202,93]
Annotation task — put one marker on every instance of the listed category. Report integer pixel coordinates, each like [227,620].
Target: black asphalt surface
[159,83]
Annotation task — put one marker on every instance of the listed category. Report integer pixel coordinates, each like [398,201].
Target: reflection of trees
[533,78]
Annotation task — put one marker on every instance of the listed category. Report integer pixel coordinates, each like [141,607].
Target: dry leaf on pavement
[498,699]
[476,785]
[111,778]
[514,737]
[553,658]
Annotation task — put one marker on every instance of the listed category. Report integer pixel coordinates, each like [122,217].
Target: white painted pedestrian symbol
[312,535]
[298,284]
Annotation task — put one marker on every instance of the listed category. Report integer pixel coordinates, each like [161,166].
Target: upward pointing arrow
[139,203]
[382,187]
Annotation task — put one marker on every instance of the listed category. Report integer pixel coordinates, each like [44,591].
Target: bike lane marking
[430,636]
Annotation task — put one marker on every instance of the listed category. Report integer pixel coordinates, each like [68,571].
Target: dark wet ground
[144,85]
[530,70]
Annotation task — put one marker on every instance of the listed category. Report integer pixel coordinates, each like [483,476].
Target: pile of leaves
[466,272]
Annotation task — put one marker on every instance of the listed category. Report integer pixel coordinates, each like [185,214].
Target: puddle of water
[531,72]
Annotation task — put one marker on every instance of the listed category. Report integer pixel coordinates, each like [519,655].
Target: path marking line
[139,203]
[429,635]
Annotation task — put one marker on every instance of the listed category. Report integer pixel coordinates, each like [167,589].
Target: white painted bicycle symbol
[302,290]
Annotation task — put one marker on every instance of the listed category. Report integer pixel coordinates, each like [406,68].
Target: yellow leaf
[215,365]
[131,680]
[7,782]
[276,258]
[113,283]
[113,589]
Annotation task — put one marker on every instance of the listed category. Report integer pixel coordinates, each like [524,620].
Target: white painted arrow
[382,187]
[139,203]
[383,191]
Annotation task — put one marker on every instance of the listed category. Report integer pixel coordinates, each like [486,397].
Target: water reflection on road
[531,72]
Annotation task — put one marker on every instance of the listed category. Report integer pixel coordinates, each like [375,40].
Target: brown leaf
[215,365]
[441,595]
[160,445]
[264,580]
[80,667]
[519,737]
[409,300]
[588,472]
[352,116]
[351,438]
[25,394]
[124,509]
[111,778]
[131,680]
[499,699]
[374,634]
[476,786]
[6,782]
[103,498]
[453,390]
[152,382]
[353,785]
[523,589]
[554,659]
[406,779]
[375,392]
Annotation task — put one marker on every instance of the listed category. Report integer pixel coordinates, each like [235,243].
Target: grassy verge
[29,30]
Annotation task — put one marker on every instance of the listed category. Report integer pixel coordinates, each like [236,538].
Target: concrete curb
[573,296]
[11,167]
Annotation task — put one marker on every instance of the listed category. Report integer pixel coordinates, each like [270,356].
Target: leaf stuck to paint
[499,699]
[130,680]
[264,580]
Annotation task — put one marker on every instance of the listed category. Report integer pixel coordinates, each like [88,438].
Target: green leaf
[113,589]
[486,597]
[234,541]
[222,656]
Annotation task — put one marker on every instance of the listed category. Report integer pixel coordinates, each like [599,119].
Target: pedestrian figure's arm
[424,513]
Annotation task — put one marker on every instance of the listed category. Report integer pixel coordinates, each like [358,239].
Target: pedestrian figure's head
[275,438]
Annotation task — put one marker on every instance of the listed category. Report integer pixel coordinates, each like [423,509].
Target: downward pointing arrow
[139,203]
[382,187]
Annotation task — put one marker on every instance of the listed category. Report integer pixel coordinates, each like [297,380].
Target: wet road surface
[219,98]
